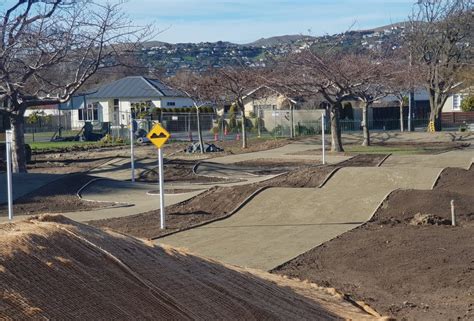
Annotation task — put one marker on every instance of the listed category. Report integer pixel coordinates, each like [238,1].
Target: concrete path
[461,158]
[133,197]
[285,153]
[24,184]
[282,223]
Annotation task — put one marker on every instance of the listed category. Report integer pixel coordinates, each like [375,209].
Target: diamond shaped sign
[158,135]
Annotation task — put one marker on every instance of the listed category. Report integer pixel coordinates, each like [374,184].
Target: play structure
[86,133]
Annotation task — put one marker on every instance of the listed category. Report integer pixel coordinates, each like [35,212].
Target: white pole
[453,217]
[9,136]
[162,191]
[323,143]
[132,156]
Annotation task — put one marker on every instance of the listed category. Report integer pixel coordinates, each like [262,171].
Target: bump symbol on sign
[158,135]
[161,135]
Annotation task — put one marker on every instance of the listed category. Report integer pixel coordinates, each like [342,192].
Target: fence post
[9,138]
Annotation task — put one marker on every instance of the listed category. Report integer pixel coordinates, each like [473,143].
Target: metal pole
[323,143]
[132,153]
[9,138]
[162,191]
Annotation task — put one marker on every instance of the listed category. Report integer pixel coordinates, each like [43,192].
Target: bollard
[453,217]
[237,137]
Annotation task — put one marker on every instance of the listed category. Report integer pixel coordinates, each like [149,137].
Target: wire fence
[214,127]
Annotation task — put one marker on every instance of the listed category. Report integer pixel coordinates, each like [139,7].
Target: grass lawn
[399,150]
[39,146]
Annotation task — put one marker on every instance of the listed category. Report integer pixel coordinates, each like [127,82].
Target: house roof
[252,92]
[135,87]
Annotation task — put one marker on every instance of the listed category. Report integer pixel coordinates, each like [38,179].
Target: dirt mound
[428,219]
[413,272]
[54,268]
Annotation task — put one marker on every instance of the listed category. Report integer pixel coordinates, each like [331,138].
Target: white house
[453,104]
[117,101]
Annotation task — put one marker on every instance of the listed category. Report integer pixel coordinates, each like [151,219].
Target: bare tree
[333,76]
[439,36]
[234,83]
[49,48]
[372,75]
[199,89]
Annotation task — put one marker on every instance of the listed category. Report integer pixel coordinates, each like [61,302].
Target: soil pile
[416,272]
[177,170]
[54,268]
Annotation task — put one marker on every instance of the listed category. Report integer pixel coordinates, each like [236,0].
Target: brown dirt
[54,268]
[56,197]
[423,272]
[178,170]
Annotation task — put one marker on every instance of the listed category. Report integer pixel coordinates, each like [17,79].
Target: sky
[244,21]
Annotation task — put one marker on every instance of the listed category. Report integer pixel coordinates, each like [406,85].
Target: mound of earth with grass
[55,268]
[408,261]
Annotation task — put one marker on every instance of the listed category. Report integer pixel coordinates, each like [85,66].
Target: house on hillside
[117,101]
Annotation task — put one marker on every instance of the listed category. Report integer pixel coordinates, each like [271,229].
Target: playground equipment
[86,133]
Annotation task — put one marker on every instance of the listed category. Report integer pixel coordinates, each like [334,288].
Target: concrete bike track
[282,223]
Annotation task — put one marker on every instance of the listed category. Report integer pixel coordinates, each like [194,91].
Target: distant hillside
[382,28]
[278,40]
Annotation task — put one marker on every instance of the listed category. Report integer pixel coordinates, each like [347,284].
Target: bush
[467,104]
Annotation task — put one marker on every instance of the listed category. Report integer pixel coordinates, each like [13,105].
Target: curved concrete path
[282,223]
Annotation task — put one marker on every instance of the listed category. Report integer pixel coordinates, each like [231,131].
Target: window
[91,112]
[170,103]
[457,102]
[116,102]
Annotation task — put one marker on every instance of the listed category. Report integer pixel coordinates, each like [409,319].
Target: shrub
[467,104]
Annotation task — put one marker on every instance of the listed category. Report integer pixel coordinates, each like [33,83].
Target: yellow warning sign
[158,135]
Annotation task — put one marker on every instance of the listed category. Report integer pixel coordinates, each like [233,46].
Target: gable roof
[135,87]
[252,92]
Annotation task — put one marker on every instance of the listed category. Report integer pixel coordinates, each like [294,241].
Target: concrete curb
[383,160]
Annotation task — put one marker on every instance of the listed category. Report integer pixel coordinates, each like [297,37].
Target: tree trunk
[336,140]
[198,121]
[401,116]
[365,126]
[17,123]
[244,132]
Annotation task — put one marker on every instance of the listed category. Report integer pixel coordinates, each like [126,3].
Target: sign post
[132,152]
[158,136]
[9,138]
[323,142]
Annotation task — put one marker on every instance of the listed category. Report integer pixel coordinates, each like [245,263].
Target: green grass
[39,146]
[399,150]
[60,145]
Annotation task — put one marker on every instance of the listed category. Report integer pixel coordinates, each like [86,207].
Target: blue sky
[243,21]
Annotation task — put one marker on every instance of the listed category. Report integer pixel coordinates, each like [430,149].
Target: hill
[278,40]
[54,268]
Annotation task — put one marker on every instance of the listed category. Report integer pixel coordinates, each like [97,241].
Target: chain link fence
[184,126]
